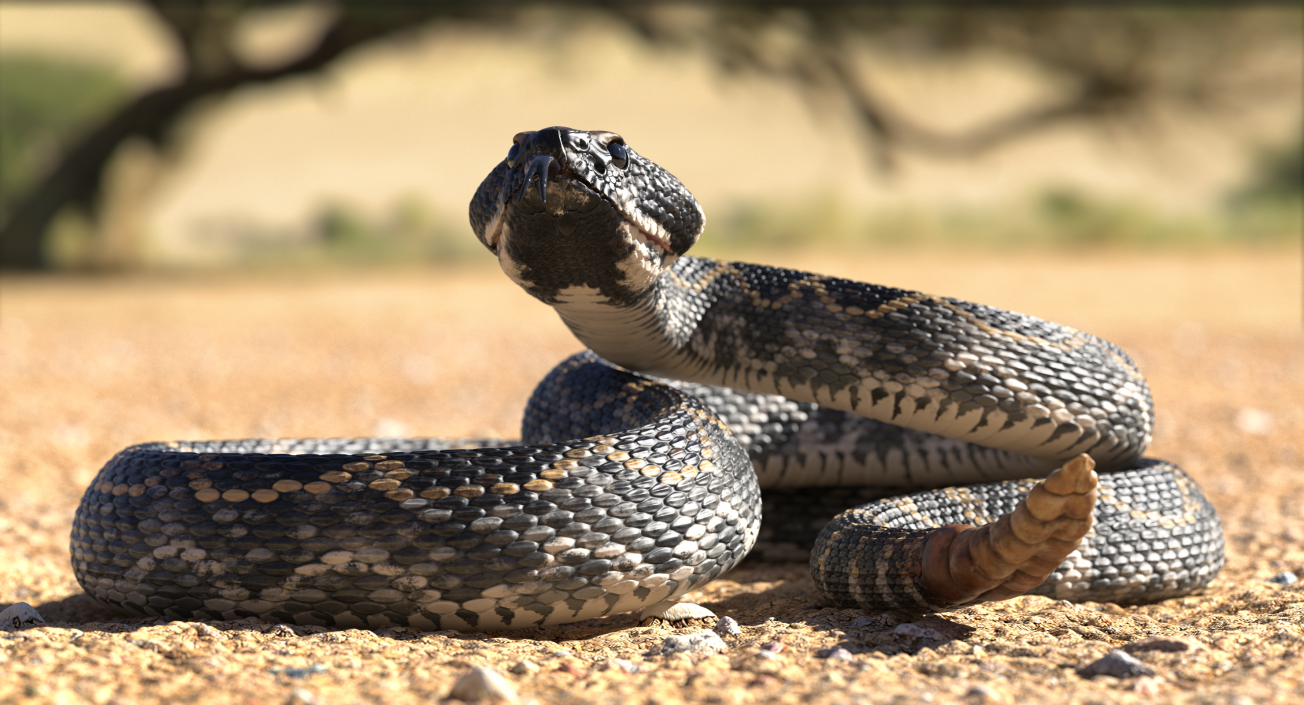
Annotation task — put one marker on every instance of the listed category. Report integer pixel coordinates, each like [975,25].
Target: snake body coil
[843,386]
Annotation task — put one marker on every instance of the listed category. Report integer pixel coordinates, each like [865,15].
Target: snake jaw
[572,210]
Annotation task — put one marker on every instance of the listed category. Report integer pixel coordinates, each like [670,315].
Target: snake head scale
[578,213]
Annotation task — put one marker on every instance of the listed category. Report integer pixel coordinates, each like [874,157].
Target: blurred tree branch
[1120,66]
[204,31]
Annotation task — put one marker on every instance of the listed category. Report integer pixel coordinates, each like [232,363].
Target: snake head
[580,213]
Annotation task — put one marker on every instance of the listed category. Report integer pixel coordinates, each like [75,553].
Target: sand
[90,365]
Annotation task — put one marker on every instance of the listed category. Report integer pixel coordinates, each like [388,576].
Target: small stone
[984,694]
[727,626]
[483,684]
[676,612]
[616,664]
[206,632]
[299,696]
[282,630]
[20,615]
[863,622]
[1255,422]
[1169,644]
[1285,577]
[1148,685]
[1118,664]
[523,668]
[914,631]
[292,672]
[836,653]
[570,668]
[773,647]
[702,642]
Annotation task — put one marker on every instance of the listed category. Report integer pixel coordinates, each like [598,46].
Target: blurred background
[221,135]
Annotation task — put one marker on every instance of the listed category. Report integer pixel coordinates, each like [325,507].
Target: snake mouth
[648,234]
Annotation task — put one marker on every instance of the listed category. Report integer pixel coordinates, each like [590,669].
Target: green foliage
[1277,175]
[1056,218]
[45,104]
[409,232]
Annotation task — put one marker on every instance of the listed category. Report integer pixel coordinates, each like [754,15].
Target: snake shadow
[81,611]
[753,594]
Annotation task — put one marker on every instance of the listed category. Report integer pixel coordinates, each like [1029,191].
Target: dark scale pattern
[932,364]
[986,394]
[408,532]
[1155,537]
[657,497]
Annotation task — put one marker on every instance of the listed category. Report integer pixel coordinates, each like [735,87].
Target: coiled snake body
[842,385]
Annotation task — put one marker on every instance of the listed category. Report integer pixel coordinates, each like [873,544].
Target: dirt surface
[88,366]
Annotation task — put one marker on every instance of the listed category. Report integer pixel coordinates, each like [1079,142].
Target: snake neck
[928,363]
[650,333]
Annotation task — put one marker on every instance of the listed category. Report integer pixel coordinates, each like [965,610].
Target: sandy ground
[88,366]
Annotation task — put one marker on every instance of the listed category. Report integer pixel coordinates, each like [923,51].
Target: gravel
[90,366]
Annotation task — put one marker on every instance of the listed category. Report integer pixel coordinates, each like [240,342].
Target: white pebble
[703,642]
[727,627]
[483,684]
[20,615]
[616,664]
[522,668]
[1255,422]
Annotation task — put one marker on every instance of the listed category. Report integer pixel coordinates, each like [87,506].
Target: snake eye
[512,154]
[619,154]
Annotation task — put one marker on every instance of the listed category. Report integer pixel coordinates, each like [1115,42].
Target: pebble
[678,612]
[571,669]
[727,626]
[703,642]
[1149,685]
[206,632]
[299,696]
[292,672]
[984,694]
[616,664]
[914,631]
[483,684]
[773,647]
[20,615]
[836,653]
[863,622]
[282,630]
[523,668]
[1117,663]
[1284,578]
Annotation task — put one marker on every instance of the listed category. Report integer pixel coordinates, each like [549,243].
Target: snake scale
[627,489]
